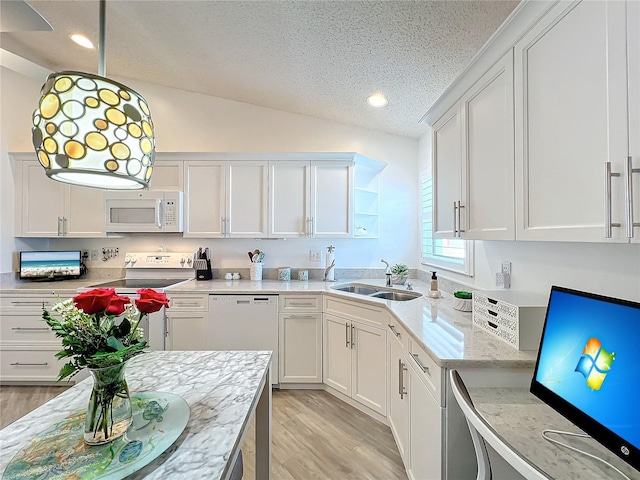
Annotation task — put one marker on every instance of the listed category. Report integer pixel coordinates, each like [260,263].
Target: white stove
[160,271]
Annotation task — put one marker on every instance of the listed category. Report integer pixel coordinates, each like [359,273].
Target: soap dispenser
[433,291]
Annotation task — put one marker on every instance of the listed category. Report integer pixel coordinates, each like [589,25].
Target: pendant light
[91,131]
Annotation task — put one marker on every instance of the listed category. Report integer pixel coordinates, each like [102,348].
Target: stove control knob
[127,260]
[189,260]
[182,262]
[133,260]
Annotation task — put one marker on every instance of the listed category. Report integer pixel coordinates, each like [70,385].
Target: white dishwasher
[245,322]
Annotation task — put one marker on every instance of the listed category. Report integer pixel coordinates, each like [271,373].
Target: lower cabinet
[187,323]
[300,339]
[399,396]
[355,361]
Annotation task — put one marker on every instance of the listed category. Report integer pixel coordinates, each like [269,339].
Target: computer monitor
[50,265]
[588,367]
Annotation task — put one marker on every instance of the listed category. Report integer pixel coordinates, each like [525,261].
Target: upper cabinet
[310,198]
[572,133]
[539,138]
[46,208]
[473,161]
[226,199]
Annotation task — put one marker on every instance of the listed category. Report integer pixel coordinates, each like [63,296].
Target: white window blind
[450,254]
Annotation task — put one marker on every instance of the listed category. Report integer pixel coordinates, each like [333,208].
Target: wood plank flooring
[315,436]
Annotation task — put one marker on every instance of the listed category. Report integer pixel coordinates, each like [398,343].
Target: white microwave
[143,211]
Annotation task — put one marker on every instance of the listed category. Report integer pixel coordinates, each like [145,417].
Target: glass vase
[109,412]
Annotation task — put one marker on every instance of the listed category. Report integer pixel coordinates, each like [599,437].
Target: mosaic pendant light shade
[91,131]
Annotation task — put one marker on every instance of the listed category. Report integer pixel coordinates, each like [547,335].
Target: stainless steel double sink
[377,292]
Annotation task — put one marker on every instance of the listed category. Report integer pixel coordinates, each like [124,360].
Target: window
[450,254]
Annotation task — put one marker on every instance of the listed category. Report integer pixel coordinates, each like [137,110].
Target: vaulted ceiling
[316,58]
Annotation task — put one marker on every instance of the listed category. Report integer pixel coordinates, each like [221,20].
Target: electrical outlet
[315,256]
[506,268]
[95,254]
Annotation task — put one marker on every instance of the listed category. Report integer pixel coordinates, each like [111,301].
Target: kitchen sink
[377,292]
[397,296]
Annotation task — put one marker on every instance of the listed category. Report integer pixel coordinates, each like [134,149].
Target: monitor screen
[50,265]
[588,367]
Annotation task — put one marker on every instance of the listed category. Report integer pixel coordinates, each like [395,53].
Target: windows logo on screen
[595,363]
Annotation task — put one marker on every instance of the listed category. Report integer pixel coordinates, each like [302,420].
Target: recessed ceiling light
[378,100]
[81,40]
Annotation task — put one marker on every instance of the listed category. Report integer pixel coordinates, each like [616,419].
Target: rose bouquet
[100,331]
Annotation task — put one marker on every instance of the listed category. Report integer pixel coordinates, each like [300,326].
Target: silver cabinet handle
[353,342]
[186,304]
[30,302]
[346,334]
[628,195]
[302,304]
[608,224]
[29,364]
[420,364]
[227,228]
[460,230]
[455,218]
[313,226]
[160,214]
[31,329]
[393,329]
[64,226]
[166,326]
[401,369]
[300,316]
[59,226]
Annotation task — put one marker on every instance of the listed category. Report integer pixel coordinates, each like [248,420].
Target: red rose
[94,301]
[117,305]
[151,301]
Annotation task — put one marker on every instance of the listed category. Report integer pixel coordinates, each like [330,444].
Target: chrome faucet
[387,272]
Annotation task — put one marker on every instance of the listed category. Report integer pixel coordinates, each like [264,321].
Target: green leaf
[114,343]
[65,371]
[124,328]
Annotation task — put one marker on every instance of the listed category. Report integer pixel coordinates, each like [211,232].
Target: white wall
[608,269]
[192,122]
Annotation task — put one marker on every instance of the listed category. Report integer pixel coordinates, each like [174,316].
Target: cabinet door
[167,175]
[425,432]
[289,192]
[399,397]
[301,348]
[204,200]
[487,176]
[84,212]
[186,331]
[447,173]
[369,364]
[246,199]
[42,203]
[571,118]
[633,56]
[332,199]
[336,371]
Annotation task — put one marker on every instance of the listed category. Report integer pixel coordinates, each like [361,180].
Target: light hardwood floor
[315,436]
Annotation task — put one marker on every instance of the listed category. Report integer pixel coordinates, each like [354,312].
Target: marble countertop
[446,334]
[519,418]
[220,387]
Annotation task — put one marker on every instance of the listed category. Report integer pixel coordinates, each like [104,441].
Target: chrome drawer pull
[186,304]
[29,364]
[31,328]
[300,316]
[346,334]
[417,360]
[393,329]
[29,302]
[301,304]
[401,369]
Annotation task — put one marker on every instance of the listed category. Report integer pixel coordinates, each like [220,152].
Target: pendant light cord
[102,48]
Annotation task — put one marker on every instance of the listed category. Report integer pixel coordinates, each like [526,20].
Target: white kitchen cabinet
[226,199]
[300,339]
[399,396]
[355,361]
[167,175]
[187,324]
[186,330]
[633,59]
[447,173]
[473,161]
[311,199]
[487,189]
[47,208]
[425,431]
[572,107]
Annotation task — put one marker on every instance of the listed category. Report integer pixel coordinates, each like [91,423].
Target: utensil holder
[203,269]
[255,271]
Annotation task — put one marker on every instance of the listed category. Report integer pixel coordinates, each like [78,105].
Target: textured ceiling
[316,58]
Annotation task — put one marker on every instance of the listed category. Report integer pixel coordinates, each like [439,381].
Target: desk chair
[483,434]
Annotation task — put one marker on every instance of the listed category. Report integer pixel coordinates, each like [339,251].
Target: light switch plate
[315,256]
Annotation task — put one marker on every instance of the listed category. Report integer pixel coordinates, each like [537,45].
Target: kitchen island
[223,390]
